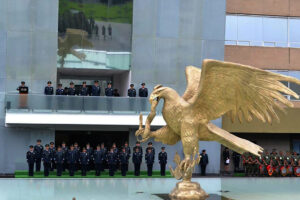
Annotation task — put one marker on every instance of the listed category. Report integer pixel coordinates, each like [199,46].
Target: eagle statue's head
[158,93]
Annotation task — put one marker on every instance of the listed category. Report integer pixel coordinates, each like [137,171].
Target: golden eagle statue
[240,91]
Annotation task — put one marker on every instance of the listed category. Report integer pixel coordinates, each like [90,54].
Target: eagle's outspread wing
[240,90]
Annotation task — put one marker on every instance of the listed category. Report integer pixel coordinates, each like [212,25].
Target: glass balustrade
[36,103]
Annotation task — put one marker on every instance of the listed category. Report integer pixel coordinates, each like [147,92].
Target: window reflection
[93,27]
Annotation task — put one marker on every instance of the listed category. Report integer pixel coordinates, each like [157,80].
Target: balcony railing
[77,104]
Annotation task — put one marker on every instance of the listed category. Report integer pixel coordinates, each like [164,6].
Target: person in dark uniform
[103,153]
[124,157]
[163,157]
[116,152]
[116,93]
[23,89]
[84,161]
[226,159]
[84,90]
[131,91]
[90,152]
[149,158]
[98,160]
[59,90]
[77,153]
[64,150]
[143,92]
[128,151]
[38,150]
[109,91]
[30,156]
[150,147]
[46,157]
[203,162]
[72,160]
[103,32]
[49,89]
[111,159]
[52,154]
[109,31]
[59,161]
[71,90]
[66,89]
[236,161]
[137,161]
[96,90]
[138,146]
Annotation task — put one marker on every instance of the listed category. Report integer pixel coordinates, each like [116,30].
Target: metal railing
[263,43]
[77,104]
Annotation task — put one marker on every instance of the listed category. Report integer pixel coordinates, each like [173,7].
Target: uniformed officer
[49,89]
[104,153]
[116,152]
[64,149]
[138,146]
[149,158]
[72,160]
[38,149]
[124,157]
[150,147]
[128,151]
[137,160]
[98,160]
[59,161]
[30,156]
[46,160]
[23,89]
[143,91]
[84,90]
[59,90]
[131,91]
[52,154]
[111,159]
[163,157]
[71,90]
[77,153]
[84,161]
[96,90]
[90,152]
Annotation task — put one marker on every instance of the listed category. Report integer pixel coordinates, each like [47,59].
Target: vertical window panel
[275,29]
[250,28]
[231,27]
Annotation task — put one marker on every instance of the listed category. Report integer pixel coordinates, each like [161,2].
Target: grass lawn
[115,13]
[91,174]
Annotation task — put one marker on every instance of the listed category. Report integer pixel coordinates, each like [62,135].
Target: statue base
[187,190]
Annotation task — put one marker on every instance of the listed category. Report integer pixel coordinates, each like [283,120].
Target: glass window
[275,29]
[294,30]
[231,27]
[250,28]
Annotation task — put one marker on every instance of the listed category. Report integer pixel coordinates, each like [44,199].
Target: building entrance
[92,137]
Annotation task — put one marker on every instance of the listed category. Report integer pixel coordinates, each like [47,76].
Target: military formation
[74,159]
[272,164]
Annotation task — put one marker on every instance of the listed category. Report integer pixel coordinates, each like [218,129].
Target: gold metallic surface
[219,88]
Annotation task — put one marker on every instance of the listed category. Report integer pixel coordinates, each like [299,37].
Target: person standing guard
[59,90]
[52,154]
[23,91]
[71,90]
[98,160]
[111,161]
[149,158]
[84,90]
[150,147]
[109,31]
[137,160]
[131,91]
[124,157]
[72,160]
[103,32]
[143,92]
[38,150]
[30,156]
[104,153]
[128,151]
[46,160]
[59,161]
[203,162]
[49,89]
[77,153]
[163,157]
[109,92]
[138,146]
[90,152]
[64,149]
[96,90]
[84,161]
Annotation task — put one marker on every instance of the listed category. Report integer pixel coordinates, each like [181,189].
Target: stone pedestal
[187,190]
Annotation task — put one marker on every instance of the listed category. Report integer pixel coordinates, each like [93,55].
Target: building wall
[28,45]
[169,35]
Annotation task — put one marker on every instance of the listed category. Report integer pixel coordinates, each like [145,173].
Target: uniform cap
[39,140]
[49,82]
[143,84]
[131,85]
[31,146]
[22,82]
[96,81]
[71,83]
[149,143]
[47,145]
[137,142]
[109,83]
[163,148]
[51,142]
[84,82]
[59,84]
